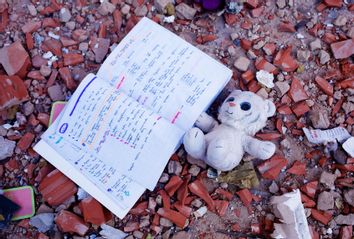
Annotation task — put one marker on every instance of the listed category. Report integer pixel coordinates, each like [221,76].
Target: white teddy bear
[242,114]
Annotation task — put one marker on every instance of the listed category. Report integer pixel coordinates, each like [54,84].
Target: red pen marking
[120,82]
[175,117]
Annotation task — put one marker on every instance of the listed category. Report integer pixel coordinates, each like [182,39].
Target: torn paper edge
[290,210]
[348,146]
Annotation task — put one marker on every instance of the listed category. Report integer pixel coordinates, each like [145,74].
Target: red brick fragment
[323,217]
[262,64]
[12,91]
[271,168]
[198,188]
[247,76]
[286,27]
[131,226]
[245,196]
[50,22]
[53,46]
[300,108]
[66,76]
[185,210]
[348,83]
[324,85]
[26,141]
[333,3]
[69,222]
[246,44]
[297,92]
[308,202]
[4,20]
[174,216]
[310,188]
[285,61]
[67,41]
[29,41]
[205,38]
[173,185]
[43,118]
[252,3]
[343,49]
[56,188]
[182,192]
[284,110]
[92,211]
[225,194]
[346,232]
[32,26]
[72,59]
[139,209]
[15,59]
[165,199]
[257,12]
[221,207]
[298,168]
[118,20]
[268,136]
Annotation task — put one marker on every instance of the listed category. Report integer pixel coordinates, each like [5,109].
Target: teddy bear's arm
[205,122]
[257,148]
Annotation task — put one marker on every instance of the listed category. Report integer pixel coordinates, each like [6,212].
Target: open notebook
[120,127]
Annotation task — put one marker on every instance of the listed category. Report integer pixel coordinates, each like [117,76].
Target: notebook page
[109,125]
[165,73]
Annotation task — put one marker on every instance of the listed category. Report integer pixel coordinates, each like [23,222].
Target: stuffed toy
[223,145]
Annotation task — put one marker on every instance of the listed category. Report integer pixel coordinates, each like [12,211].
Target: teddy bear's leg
[259,149]
[205,122]
[194,143]
[220,157]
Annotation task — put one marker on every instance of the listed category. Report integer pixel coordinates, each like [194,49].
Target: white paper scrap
[317,136]
[348,146]
[289,209]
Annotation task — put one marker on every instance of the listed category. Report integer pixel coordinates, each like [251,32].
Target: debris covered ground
[47,47]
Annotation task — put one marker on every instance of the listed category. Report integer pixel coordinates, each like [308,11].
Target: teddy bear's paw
[218,149]
[194,143]
[266,150]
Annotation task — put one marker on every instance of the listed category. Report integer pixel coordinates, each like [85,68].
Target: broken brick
[92,211]
[198,188]
[12,91]
[30,27]
[69,222]
[321,216]
[286,27]
[202,39]
[185,210]
[245,196]
[221,207]
[343,49]
[52,45]
[174,216]
[271,168]
[173,185]
[297,92]
[300,108]
[26,141]
[15,59]
[182,192]
[72,59]
[262,64]
[56,188]
[333,3]
[67,78]
[346,232]
[324,85]
[298,168]
[310,188]
[285,61]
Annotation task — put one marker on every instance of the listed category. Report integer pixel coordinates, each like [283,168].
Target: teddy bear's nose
[232,104]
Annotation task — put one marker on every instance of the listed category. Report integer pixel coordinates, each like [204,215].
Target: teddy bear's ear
[236,92]
[270,108]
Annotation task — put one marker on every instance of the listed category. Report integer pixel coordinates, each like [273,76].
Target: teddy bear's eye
[230,99]
[245,106]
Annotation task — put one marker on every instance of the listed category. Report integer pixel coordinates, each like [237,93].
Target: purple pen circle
[63,128]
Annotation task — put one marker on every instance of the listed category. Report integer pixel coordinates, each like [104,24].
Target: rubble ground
[297,53]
